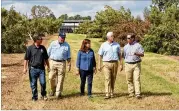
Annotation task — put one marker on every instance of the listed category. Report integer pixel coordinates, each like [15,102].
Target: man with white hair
[110,53]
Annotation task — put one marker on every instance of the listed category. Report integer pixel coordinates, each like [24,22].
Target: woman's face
[88,45]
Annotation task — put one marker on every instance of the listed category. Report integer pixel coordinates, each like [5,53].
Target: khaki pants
[110,72]
[57,74]
[133,78]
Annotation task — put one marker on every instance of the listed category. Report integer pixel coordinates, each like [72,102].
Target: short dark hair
[133,36]
[38,37]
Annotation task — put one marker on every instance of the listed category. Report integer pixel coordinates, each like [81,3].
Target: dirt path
[15,85]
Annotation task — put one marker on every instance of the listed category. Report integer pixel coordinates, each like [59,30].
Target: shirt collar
[35,46]
[110,43]
[133,43]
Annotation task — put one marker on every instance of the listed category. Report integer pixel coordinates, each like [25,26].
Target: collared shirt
[86,60]
[109,51]
[129,51]
[36,56]
[57,51]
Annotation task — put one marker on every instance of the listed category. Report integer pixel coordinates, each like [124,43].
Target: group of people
[58,56]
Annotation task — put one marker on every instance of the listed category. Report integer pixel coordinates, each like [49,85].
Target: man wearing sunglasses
[36,57]
[133,52]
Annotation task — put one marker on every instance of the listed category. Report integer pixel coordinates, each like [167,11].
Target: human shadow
[147,94]
[116,95]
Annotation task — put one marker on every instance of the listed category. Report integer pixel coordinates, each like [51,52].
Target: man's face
[61,39]
[111,38]
[39,42]
[129,39]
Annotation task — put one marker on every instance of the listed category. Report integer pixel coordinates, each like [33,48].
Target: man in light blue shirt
[110,53]
[133,52]
[59,53]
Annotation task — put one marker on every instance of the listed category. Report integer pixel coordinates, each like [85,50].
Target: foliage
[17,28]
[83,27]
[76,17]
[163,37]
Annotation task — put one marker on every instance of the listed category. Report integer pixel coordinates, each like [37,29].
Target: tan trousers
[133,78]
[110,72]
[56,76]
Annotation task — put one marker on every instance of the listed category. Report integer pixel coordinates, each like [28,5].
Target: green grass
[155,82]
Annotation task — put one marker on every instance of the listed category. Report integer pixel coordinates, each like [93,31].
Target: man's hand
[25,71]
[68,68]
[121,67]
[94,70]
[48,69]
[99,69]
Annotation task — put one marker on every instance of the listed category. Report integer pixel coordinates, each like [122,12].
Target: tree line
[158,32]
[18,28]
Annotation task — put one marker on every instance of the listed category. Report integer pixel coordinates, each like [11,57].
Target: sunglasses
[128,38]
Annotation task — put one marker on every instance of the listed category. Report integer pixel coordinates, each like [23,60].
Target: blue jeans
[83,75]
[34,74]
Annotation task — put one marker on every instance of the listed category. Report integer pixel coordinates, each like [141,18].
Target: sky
[73,7]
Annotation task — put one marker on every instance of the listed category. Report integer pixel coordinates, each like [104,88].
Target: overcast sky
[72,7]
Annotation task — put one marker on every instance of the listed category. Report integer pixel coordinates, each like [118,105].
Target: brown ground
[16,92]
[13,87]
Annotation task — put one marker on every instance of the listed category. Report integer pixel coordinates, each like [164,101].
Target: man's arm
[100,52]
[26,59]
[121,61]
[100,62]
[139,54]
[69,64]
[49,50]
[46,59]
[69,58]
[120,57]
[25,66]
[47,63]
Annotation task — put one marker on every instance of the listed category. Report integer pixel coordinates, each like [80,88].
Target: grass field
[159,80]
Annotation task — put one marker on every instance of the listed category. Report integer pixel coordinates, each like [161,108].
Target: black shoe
[138,97]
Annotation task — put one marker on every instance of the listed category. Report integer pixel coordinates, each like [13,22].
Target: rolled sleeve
[49,50]
[101,51]
[69,52]
[119,49]
[45,54]
[27,54]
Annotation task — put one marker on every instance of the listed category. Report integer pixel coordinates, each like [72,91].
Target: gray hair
[109,34]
